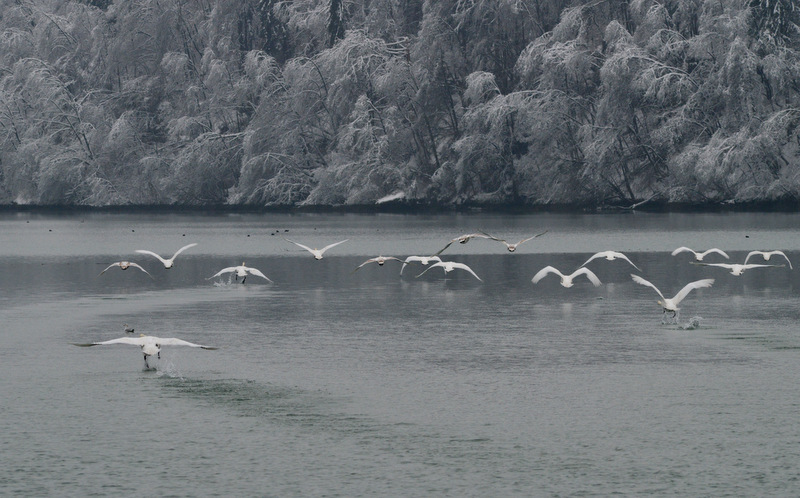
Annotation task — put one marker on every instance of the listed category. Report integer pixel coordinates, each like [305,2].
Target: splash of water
[692,324]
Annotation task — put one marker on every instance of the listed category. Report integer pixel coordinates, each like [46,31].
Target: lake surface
[331,382]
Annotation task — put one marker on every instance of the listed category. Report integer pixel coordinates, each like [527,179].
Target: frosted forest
[428,102]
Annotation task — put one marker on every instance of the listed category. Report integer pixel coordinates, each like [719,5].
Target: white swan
[449,266]
[766,255]
[167,262]
[124,265]
[566,280]
[513,247]
[424,260]
[317,253]
[698,256]
[241,271]
[151,345]
[611,256]
[378,259]
[672,304]
[463,239]
[737,269]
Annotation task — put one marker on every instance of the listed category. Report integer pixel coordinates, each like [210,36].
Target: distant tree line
[444,102]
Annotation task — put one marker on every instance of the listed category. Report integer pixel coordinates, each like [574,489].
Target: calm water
[334,383]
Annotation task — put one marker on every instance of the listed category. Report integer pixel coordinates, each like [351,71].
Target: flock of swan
[151,345]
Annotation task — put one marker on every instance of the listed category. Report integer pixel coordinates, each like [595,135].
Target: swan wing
[715,250]
[750,255]
[139,267]
[151,253]
[333,245]
[640,280]
[188,246]
[298,244]
[370,260]
[257,273]
[224,270]
[440,251]
[780,253]
[489,236]
[467,268]
[589,274]
[531,237]
[438,263]
[598,255]
[136,341]
[622,256]
[683,249]
[759,265]
[172,341]
[690,287]
[108,267]
[543,272]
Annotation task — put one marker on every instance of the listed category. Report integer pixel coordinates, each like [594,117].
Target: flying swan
[449,266]
[124,265]
[766,255]
[463,239]
[317,253]
[167,262]
[698,256]
[379,259]
[513,247]
[566,280]
[611,256]
[672,304]
[151,345]
[241,271]
[737,269]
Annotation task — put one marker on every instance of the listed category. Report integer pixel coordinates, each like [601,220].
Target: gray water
[331,382]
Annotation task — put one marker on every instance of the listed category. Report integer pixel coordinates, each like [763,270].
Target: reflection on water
[331,381]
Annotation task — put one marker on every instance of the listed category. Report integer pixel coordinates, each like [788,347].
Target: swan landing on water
[151,345]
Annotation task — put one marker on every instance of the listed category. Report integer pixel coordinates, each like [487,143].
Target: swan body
[566,280]
[611,256]
[424,260]
[671,305]
[151,345]
[737,269]
[241,271]
[317,253]
[698,256]
[513,247]
[449,266]
[766,255]
[124,265]
[167,262]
